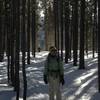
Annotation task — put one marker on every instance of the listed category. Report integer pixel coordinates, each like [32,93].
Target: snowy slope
[80,84]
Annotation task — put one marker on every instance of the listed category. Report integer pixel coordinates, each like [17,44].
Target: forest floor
[79,84]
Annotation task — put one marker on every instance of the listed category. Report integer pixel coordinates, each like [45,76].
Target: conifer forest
[27,30]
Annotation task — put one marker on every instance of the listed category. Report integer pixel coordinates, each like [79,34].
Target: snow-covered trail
[79,84]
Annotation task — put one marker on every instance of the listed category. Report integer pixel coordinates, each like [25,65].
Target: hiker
[39,49]
[54,73]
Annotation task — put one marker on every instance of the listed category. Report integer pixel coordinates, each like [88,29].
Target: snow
[79,84]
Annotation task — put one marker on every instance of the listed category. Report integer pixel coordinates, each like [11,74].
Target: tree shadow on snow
[81,84]
[7,95]
[36,85]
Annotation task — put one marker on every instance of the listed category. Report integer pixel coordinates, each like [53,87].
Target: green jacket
[53,64]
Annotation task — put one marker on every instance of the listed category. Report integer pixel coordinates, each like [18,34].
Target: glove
[62,81]
[45,79]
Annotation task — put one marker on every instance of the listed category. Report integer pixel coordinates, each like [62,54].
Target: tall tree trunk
[28,33]
[7,20]
[82,30]
[75,32]
[86,37]
[95,29]
[61,18]
[1,33]
[93,40]
[96,26]
[66,12]
[55,20]
[23,51]
[34,27]
[99,45]
[58,10]
[12,44]
[16,14]
[71,30]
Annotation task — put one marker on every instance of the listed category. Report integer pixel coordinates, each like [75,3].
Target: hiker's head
[53,50]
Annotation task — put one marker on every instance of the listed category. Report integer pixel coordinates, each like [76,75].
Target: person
[54,73]
[39,49]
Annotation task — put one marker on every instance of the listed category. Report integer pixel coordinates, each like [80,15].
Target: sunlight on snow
[69,72]
[31,68]
[3,64]
[77,82]
[90,64]
[90,73]
[80,87]
[41,82]
[80,79]
[3,78]
[42,54]
[94,60]
[77,95]
[71,98]
[84,85]
[37,61]
[3,85]
[40,96]
[20,98]
[90,56]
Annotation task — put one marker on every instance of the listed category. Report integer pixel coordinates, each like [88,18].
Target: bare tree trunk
[99,45]
[62,25]
[34,27]
[24,50]
[28,33]
[82,30]
[75,33]
[66,11]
